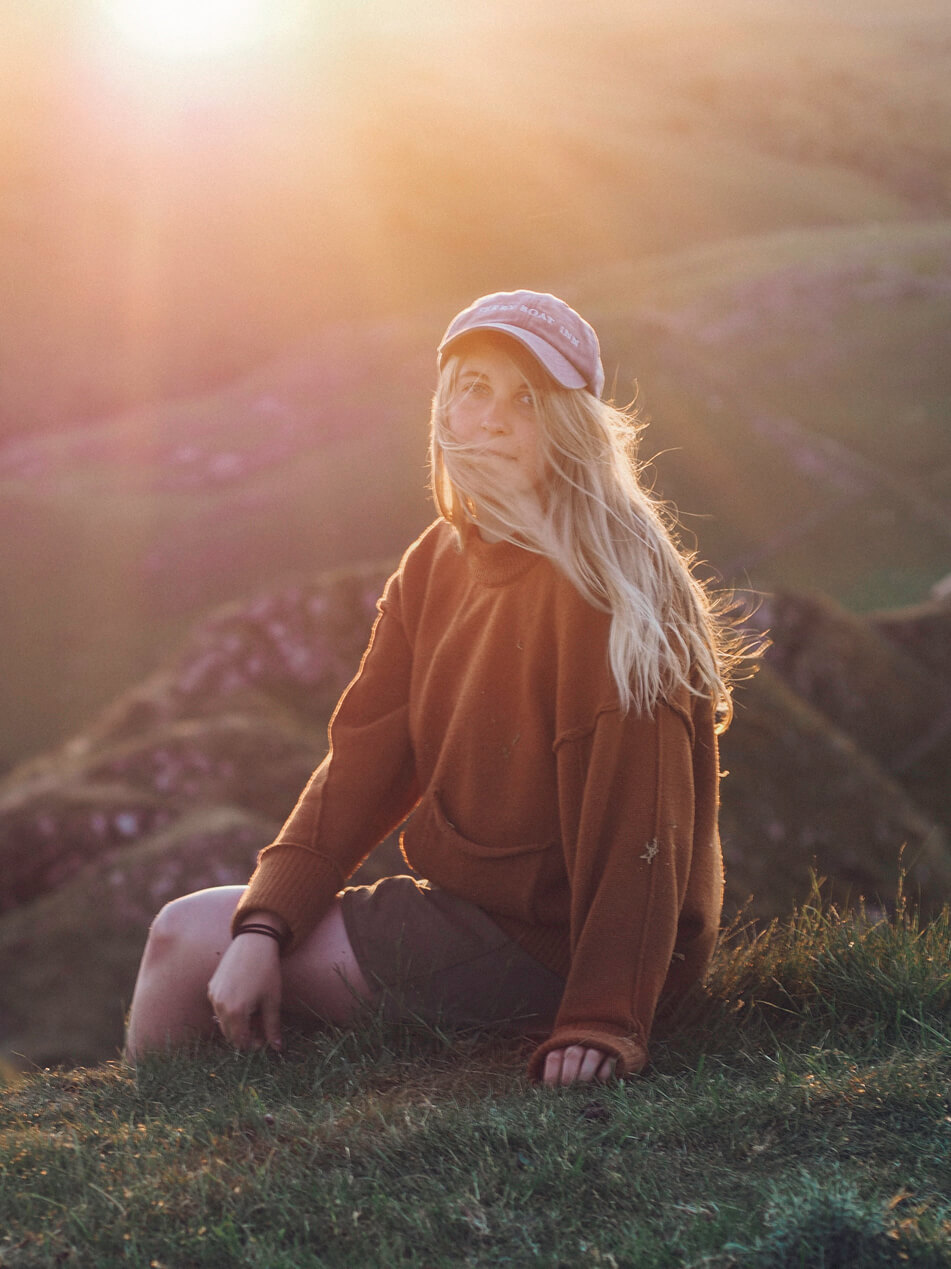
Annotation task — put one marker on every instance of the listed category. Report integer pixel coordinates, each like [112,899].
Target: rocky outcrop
[182,780]
[838,662]
[290,650]
[73,952]
[237,719]
[924,634]
[176,786]
[55,823]
[884,681]
[801,797]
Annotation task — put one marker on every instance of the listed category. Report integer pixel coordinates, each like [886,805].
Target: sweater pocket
[518,879]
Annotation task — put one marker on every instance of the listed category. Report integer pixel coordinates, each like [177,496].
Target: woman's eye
[526,399]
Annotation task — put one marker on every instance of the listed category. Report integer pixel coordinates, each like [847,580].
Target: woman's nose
[494,419]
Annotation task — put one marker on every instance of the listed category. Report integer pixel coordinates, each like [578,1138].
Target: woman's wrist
[267,925]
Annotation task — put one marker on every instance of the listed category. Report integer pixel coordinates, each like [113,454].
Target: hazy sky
[189,186]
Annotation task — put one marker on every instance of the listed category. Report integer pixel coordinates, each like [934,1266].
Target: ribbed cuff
[630,1052]
[296,884]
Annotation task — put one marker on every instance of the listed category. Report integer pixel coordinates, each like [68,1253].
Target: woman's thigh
[321,978]
[434,956]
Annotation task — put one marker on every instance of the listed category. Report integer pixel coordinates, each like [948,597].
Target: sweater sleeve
[362,790]
[645,874]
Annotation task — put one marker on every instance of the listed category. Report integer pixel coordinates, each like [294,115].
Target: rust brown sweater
[485,705]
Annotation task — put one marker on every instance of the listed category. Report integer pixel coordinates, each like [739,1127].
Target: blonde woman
[539,702]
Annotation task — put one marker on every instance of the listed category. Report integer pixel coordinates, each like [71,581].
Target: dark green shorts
[442,959]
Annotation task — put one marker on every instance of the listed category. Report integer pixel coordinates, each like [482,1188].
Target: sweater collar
[494,563]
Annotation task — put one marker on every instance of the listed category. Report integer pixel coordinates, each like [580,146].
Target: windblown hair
[605,531]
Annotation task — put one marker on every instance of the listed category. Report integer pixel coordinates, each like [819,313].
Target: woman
[540,696]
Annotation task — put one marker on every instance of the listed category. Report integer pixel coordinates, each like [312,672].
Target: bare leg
[188,938]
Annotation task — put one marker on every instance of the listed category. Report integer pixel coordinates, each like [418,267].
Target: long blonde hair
[605,531]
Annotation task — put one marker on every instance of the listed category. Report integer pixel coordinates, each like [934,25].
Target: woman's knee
[192,923]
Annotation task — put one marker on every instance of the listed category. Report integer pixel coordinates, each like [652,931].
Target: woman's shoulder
[434,538]
[435,547]
[437,541]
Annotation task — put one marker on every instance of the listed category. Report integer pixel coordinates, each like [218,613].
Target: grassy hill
[796,1115]
[222,290]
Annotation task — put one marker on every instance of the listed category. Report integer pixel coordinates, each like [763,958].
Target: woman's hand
[245,993]
[577,1064]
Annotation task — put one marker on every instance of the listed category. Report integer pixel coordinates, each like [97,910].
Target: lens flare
[190,28]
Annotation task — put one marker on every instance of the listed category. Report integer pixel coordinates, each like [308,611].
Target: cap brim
[559,367]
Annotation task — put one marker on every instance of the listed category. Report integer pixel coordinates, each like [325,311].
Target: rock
[922,632]
[840,664]
[93,801]
[237,717]
[244,760]
[76,949]
[47,834]
[801,796]
[885,681]
[293,650]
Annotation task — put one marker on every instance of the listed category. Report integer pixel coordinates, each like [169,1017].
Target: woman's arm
[362,790]
[639,821]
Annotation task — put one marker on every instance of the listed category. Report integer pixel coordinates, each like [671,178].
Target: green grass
[796,1114]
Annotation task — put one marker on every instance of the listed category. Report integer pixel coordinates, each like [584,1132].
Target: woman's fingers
[232,1023]
[606,1069]
[591,1064]
[245,993]
[577,1064]
[552,1070]
[270,1018]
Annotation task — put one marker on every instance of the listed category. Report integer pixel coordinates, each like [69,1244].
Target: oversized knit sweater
[485,706]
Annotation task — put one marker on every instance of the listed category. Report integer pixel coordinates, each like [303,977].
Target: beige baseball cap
[561,340]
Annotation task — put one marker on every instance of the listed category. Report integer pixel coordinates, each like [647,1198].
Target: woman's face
[494,411]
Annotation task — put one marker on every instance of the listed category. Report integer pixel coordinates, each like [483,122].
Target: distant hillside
[223,287]
[797,385]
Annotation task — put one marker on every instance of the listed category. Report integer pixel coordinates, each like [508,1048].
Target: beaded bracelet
[258,927]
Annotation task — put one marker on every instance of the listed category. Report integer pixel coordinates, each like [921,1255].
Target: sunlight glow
[191,28]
